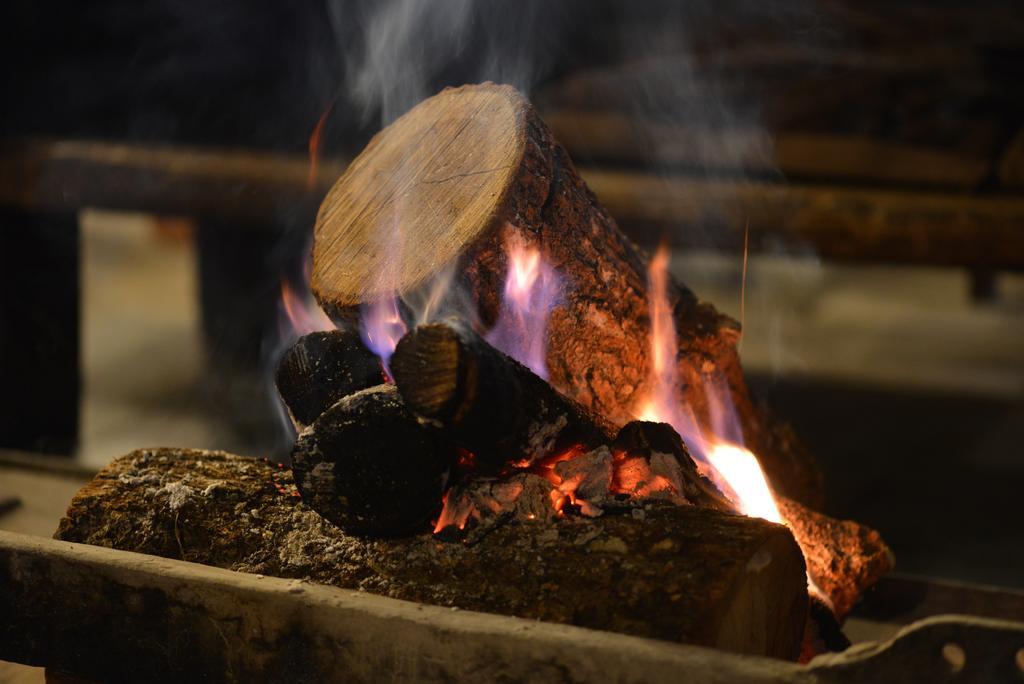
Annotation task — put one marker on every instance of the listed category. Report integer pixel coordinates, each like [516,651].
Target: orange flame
[739,468]
[660,405]
[730,465]
[315,145]
[302,312]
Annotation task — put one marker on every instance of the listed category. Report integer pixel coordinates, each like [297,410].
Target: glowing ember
[301,311]
[532,290]
[381,328]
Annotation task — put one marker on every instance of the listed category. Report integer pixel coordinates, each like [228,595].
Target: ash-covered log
[455,174]
[321,368]
[488,402]
[368,466]
[680,573]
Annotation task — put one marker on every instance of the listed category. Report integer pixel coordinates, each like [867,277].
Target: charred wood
[322,368]
[663,452]
[487,402]
[369,467]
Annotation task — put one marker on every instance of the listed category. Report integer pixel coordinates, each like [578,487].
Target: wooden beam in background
[238,184]
[856,224]
[612,137]
[850,224]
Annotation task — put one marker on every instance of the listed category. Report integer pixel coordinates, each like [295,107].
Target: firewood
[321,368]
[651,441]
[684,573]
[844,558]
[369,467]
[455,174]
[487,402]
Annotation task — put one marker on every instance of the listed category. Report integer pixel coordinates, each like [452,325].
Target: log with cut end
[684,573]
[442,185]
[321,368]
[368,466]
[487,402]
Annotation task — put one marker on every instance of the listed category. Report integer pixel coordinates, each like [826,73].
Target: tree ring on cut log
[402,184]
[368,466]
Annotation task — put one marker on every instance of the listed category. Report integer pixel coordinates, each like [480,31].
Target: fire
[315,145]
[303,314]
[532,290]
[717,446]
[746,483]
[381,328]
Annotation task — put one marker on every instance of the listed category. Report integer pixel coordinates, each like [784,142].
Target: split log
[487,402]
[322,368]
[843,557]
[440,187]
[368,466]
[682,574]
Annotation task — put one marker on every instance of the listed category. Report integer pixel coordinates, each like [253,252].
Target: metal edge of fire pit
[115,615]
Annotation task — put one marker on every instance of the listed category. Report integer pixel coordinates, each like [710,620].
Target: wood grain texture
[437,176]
[681,573]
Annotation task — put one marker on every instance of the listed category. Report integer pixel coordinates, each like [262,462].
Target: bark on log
[322,368]
[439,186]
[682,573]
[368,466]
[843,557]
[487,402]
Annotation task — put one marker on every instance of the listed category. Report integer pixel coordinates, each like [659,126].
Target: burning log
[487,402]
[458,170]
[843,557]
[655,443]
[369,467]
[321,368]
[680,573]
